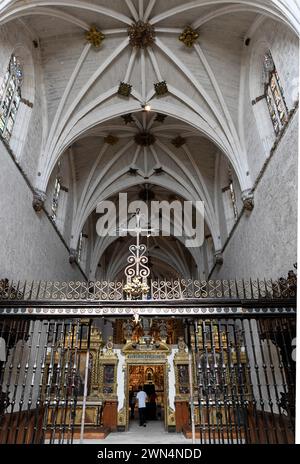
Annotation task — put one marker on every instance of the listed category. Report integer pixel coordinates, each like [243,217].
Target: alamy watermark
[156,218]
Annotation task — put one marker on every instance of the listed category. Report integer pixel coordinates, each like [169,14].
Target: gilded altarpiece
[101,378]
[147,349]
[182,386]
[154,360]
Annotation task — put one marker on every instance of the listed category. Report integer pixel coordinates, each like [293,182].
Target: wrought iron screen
[41,379]
[244,378]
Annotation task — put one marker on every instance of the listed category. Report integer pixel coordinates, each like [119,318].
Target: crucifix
[137,271]
[138,250]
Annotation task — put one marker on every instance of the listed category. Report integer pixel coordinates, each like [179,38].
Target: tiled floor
[153,433]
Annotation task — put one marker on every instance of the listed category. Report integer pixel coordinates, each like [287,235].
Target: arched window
[54,206]
[10,97]
[274,94]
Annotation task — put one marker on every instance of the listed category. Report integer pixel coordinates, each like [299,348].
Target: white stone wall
[29,247]
[27,135]
[284,46]
[264,242]
[65,201]
[267,384]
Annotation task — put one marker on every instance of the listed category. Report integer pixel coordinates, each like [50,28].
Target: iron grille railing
[159,290]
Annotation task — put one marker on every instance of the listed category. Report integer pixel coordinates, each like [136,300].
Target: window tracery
[10,97]
[274,94]
[55,199]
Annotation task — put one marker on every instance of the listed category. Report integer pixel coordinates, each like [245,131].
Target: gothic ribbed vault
[194,131]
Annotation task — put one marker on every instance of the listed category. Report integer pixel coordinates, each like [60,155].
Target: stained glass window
[10,96]
[274,94]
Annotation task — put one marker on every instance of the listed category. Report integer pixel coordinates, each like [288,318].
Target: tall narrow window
[80,246]
[274,94]
[10,97]
[230,204]
[55,199]
[233,199]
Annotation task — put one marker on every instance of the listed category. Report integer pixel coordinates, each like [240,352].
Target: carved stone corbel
[73,256]
[248,199]
[38,201]
[219,257]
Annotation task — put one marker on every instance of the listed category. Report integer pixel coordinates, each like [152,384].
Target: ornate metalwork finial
[137,271]
[141,35]
[189,36]
[94,37]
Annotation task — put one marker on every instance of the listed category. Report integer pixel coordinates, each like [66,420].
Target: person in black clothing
[132,403]
[152,405]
